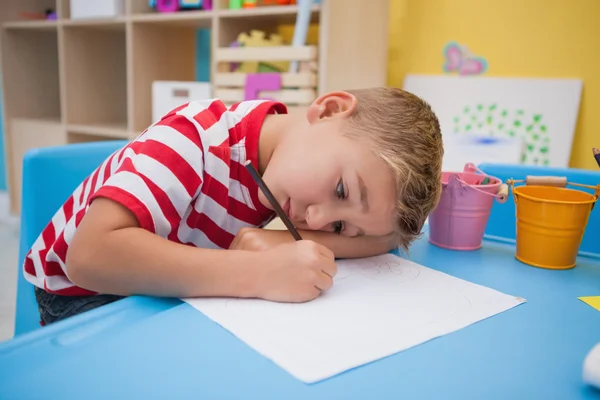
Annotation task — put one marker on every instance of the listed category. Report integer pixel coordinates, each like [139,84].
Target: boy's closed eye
[340,192]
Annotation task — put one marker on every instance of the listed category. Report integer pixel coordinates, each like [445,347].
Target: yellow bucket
[551,221]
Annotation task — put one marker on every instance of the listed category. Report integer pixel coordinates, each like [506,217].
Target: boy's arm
[341,246]
[110,253]
[351,247]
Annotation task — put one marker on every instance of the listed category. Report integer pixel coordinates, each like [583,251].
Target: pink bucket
[459,220]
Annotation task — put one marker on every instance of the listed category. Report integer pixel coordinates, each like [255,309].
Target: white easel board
[543,112]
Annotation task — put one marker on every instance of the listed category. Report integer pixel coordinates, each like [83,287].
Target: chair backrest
[50,175]
[502,222]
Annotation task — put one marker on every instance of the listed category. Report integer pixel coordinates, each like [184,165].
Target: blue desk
[158,348]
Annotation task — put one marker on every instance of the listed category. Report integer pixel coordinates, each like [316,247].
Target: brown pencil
[263,186]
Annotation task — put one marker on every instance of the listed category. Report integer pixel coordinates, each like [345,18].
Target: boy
[175,213]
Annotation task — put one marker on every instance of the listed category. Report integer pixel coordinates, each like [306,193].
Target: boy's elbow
[80,261]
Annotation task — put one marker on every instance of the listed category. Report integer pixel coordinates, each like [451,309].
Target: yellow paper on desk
[593,301]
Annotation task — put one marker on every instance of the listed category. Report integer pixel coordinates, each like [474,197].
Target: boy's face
[326,181]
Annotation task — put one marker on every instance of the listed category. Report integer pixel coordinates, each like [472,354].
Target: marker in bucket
[596,155]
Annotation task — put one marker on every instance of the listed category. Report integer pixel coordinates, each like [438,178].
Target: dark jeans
[54,307]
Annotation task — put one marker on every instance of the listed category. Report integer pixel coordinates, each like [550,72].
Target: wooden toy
[308,66]
[293,89]
[258,38]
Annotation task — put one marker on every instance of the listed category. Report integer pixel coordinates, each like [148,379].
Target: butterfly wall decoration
[460,60]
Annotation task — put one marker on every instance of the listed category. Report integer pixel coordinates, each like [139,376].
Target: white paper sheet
[377,306]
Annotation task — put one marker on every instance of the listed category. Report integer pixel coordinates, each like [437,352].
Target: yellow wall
[535,38]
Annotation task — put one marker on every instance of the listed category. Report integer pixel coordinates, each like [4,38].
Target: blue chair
[502,222]
[50,175]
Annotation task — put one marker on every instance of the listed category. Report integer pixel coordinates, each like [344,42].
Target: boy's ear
[332,104]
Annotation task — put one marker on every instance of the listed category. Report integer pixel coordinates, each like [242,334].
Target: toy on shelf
[49,14]
[256,83]
[237,4]
[301,29]
[256,65]
[280,2]
[179,5]
[258,38]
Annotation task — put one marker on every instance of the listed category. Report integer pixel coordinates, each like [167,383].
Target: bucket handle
[555,181]
[501,196]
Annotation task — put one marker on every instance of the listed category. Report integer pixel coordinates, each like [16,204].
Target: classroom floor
[9,253]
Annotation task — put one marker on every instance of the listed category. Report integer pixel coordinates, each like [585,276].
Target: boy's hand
[296,272]
[256,239]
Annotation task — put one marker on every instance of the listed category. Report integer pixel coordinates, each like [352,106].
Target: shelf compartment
[11,9]
[141,12]
[272,15]
[30,74]
[95,67]
[139,7]
[159,53]
[64,10]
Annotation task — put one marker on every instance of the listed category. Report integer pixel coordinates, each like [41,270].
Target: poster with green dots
[540,112]
[494,121]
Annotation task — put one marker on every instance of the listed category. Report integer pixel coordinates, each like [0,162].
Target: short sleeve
[159,174]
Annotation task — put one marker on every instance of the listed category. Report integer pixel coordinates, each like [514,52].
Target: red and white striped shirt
[183,178]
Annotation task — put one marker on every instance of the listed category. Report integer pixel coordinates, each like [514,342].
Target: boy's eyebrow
[363,193]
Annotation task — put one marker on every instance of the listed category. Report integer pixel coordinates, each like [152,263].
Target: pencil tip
[247,162]
[596,151]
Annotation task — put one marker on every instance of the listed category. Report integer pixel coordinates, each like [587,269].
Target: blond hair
[404,132]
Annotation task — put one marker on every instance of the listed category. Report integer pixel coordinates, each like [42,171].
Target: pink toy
[167,5]
[459,220]
[261,81]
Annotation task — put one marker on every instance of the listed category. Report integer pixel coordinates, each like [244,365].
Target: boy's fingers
[329,268]
[324,251]
[324,282]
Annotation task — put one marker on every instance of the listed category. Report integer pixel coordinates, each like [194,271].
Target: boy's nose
[317,217]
